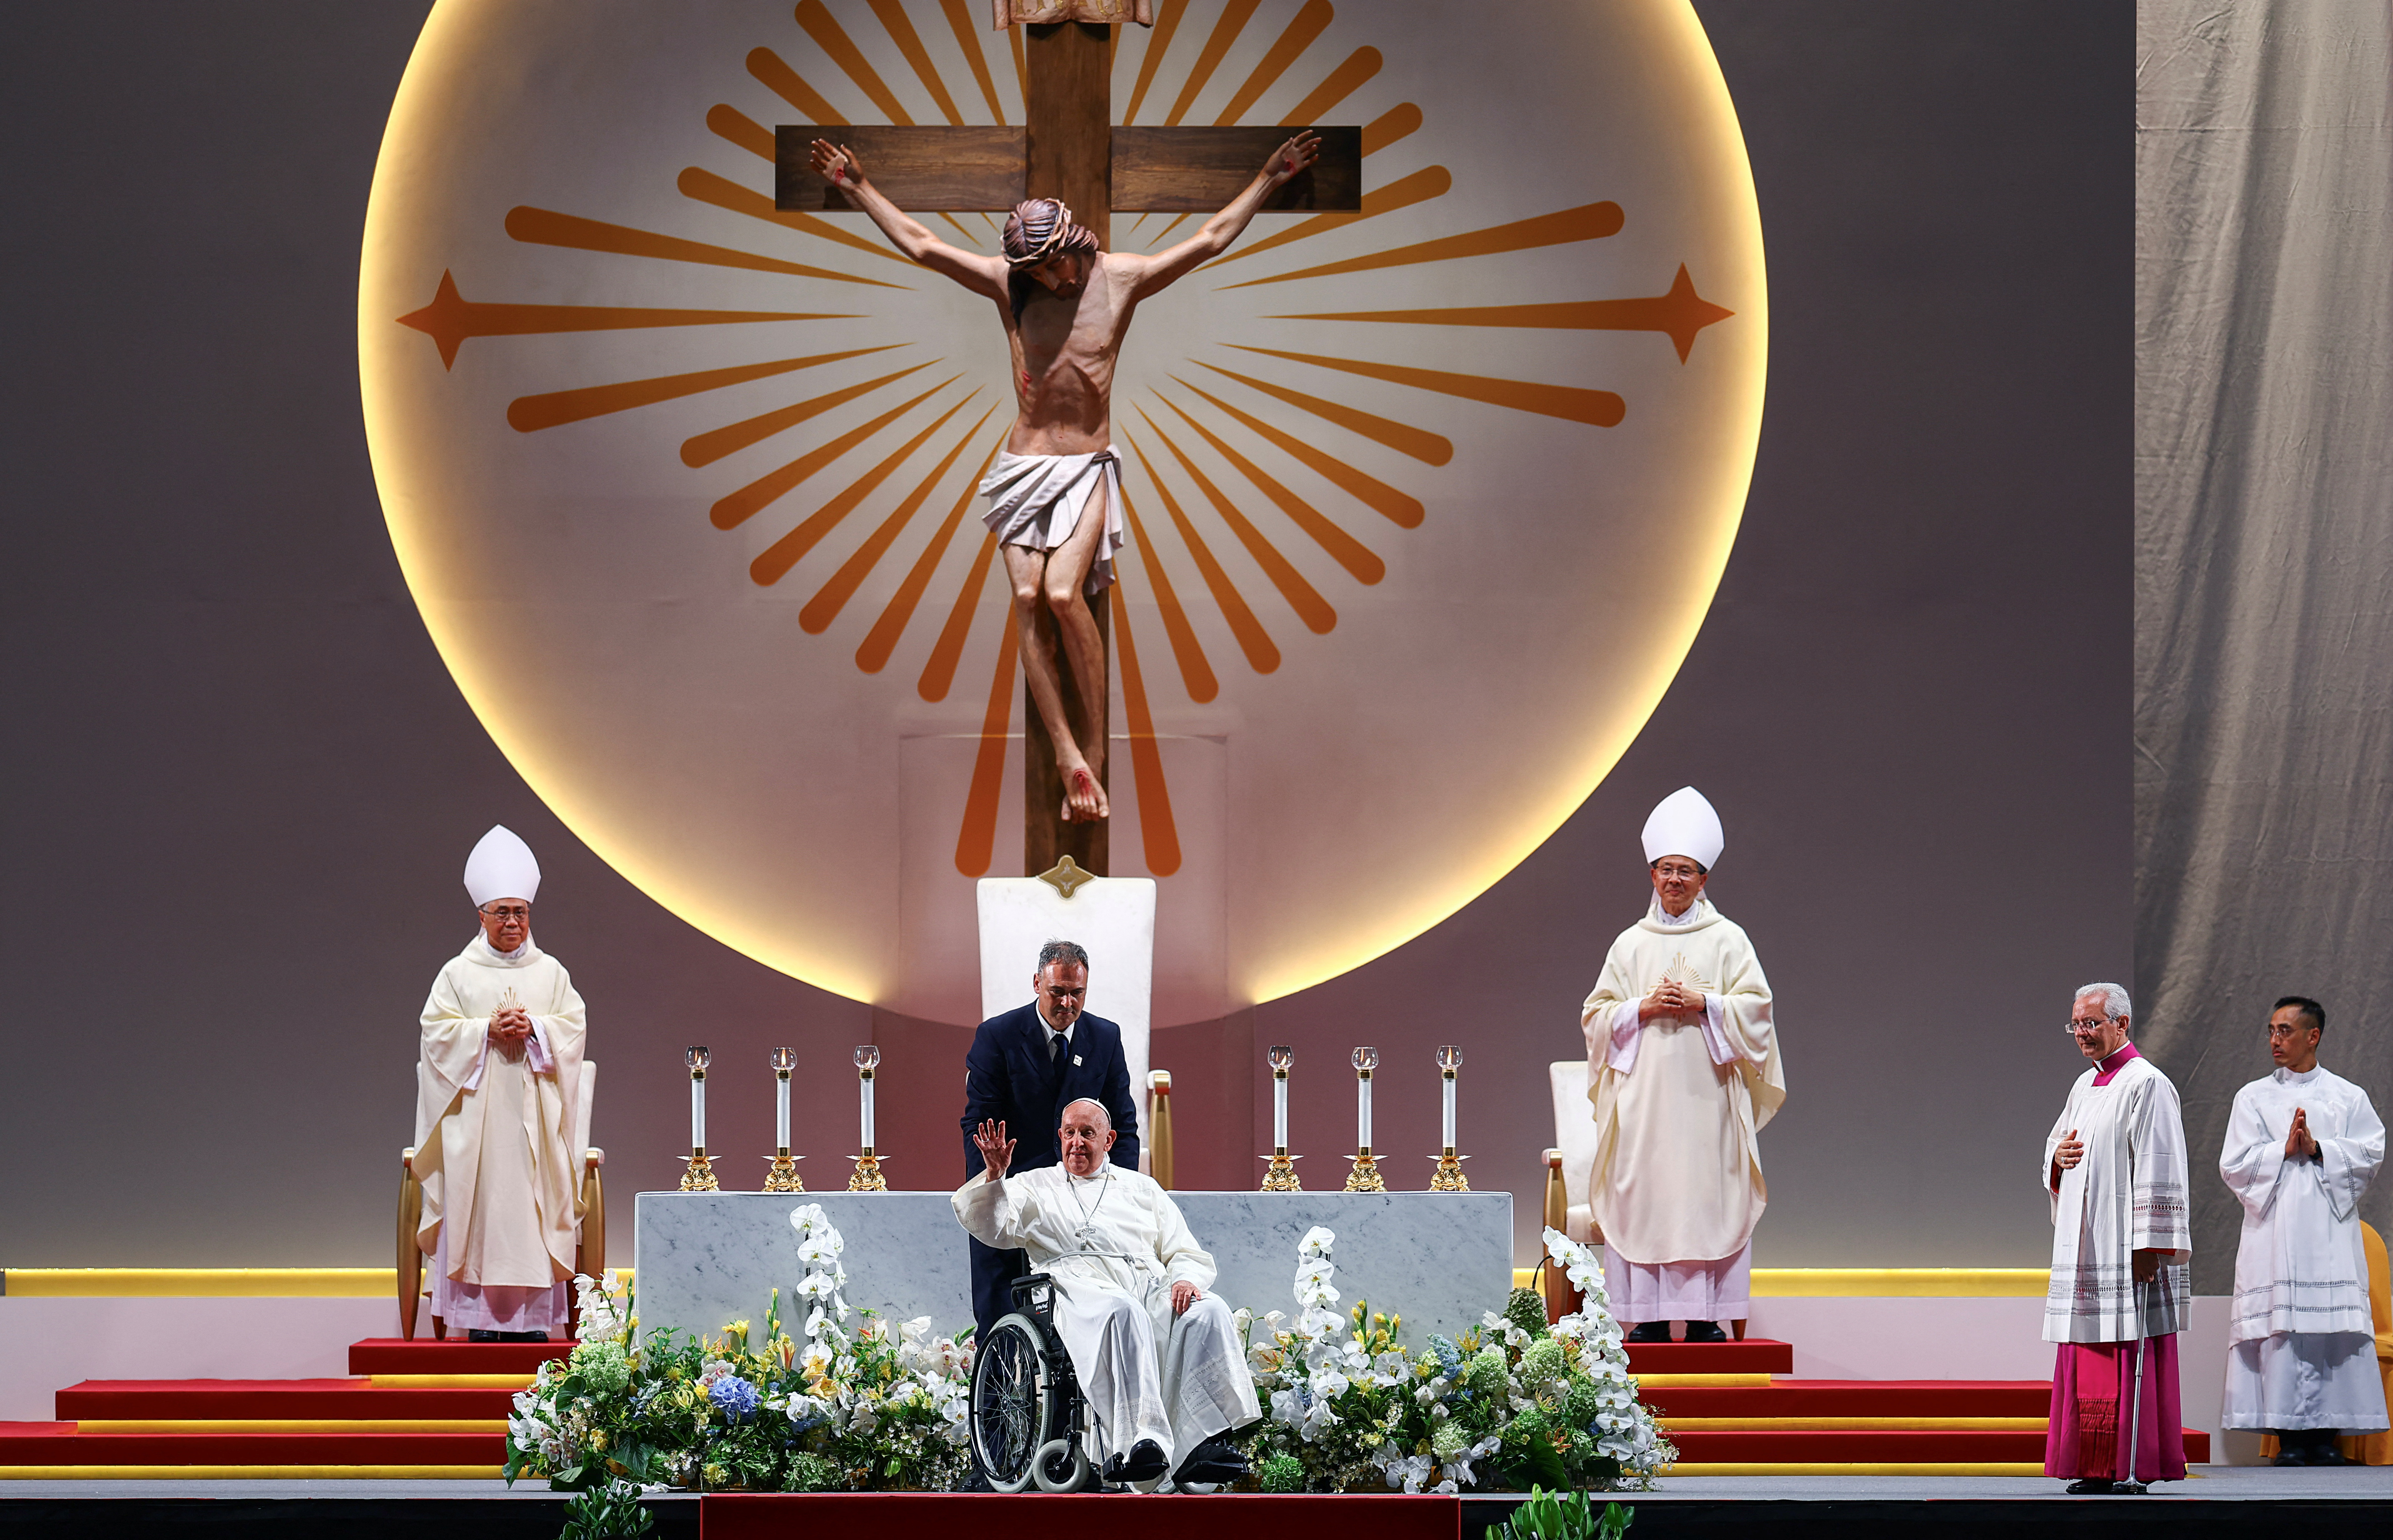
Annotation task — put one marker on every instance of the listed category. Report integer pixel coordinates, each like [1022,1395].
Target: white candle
[781,1111]
[865,1090]
[698,1111]
[1362,1112]
[1449,1112]
[1279,1112]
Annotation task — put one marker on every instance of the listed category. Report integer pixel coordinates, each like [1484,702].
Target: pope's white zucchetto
[1684,823]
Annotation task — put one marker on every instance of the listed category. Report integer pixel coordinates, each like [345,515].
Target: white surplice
[1676,1185]
[2127,1195]
[1115,1243]
[2302,1342]
[493,1138]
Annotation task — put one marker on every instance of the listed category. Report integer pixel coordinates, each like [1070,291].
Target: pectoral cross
[1069,149]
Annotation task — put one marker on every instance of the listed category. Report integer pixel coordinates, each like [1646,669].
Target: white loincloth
[1035,501]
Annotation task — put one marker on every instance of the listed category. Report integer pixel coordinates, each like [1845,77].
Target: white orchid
[1411,1472]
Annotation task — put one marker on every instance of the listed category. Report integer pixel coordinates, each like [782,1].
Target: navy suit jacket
[1007,1077]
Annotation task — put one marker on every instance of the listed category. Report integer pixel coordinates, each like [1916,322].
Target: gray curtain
[2264,553]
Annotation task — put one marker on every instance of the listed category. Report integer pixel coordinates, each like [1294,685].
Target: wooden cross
[1068,149]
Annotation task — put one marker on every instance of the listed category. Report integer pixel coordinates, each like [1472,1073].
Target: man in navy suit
[1025,1067]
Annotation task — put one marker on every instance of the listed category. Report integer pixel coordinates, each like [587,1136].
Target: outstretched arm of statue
[838,166]
[1214,238]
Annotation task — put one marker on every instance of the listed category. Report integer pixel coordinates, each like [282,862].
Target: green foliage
[1552,1516]
[1525,1311]
[811,1472]
[1543,1361]
[1485,1372]
[1281,1474]
[610,1509]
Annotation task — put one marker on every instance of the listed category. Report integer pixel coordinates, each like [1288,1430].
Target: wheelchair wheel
[1061,1465]
[1013,1404]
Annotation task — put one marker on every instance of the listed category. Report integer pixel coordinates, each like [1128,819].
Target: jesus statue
[1055,491]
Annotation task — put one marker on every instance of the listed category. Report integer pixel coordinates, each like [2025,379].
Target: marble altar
[708,1258]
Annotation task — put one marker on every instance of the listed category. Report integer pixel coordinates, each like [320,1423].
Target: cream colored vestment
[1678,1102]
[493,1135]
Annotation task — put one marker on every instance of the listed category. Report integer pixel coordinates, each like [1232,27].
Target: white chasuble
[1115,1243]
[1679,1100]
[2302,1351]
[493,1134]
[2127,1195]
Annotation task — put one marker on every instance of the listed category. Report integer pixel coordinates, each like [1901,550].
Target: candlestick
[867,1178]
[783,1175]
[700,1177]
[1365,1176]
[1448,1178]
[1280,1175]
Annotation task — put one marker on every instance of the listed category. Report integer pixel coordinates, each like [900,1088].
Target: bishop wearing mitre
[497,1081]
[1683,1070]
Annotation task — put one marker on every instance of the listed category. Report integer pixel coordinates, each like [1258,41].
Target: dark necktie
[1054,1048]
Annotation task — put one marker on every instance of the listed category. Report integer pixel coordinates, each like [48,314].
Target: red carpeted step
[286,1399]
[1755,1355]
[391,1355]
[1926,1447]
[62,1444]
[1854,1398]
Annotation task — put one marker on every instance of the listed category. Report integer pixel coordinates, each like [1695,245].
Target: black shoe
[2291,1453]
[479,1334]
[1705,1331]
[1649,1331]
[2327,1454]
[1212,1461]
[2093,1486]
[1144,1462]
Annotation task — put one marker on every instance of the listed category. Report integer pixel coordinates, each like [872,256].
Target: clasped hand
[1670,999]
[510,1029]
[2299,1145]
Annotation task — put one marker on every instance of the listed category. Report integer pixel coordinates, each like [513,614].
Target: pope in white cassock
[1683,1070]
[2114,1169]
[1159,1358]
[2302,1146]
[497,1087]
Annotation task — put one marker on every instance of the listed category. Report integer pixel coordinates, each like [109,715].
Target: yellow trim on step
[452,1382]
[1666,1382]
[1894,1283]
[204,1283]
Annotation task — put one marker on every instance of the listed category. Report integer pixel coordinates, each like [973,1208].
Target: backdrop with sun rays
[1426,501]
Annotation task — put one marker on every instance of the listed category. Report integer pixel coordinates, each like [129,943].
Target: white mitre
[1683,824]
[501,866]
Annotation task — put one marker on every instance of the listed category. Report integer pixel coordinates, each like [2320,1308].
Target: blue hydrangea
[735,1396]
[1449,1357]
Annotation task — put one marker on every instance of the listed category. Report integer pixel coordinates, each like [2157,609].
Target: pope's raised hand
[996,1150]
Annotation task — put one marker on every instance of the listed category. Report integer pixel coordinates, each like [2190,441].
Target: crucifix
[1068,149]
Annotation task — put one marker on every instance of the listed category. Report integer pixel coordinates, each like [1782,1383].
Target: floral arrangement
[870,1408]
[1505,1407]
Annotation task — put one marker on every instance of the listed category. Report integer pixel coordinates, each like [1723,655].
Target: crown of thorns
[1040,228]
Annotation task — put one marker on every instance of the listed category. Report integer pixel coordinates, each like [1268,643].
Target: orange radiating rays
[1301,596]
[452,318]
[820,24]
[774,561]
[1419,186]
[1398,121]
[1593,222]
[705,187]
[1343,82]
[733,127]
[732,511]
[1401,509]
[976,841]
[1679,313]
[872,654]
[532,414]
[705,449]
[1309,22]
[785,82]
[829,599]
[1234,15]
[1196,674]
[1167,21]
[892,15]
[1159,836]
[1600,408]
[1263,654]
[960,21]
[1343,548]
[546,227]
[939,669]
[1429,447]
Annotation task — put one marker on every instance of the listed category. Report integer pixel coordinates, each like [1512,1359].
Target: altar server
[2302,1146]
[1683,1070]
[499,1079]
[2114,1170]
[1157,1357]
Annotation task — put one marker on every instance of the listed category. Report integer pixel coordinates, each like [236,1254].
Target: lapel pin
[1075,1058]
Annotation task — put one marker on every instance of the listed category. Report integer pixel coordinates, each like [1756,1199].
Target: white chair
[589,1235]
[1574,1137]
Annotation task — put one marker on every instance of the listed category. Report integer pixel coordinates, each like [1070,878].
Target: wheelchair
[1029,1420]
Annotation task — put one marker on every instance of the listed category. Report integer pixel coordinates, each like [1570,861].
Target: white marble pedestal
[705,1260]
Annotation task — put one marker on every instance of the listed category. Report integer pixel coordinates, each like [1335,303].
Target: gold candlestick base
[1450,1176]
[1365,1176]
[867,1177]
[699,1178]
[783,1175]
[1280,1175]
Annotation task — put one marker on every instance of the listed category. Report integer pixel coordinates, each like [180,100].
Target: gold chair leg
[411,1255]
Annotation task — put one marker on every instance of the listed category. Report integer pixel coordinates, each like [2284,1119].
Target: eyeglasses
[2087,1024]
[512,912]
[1686,874]
[2287,1033]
